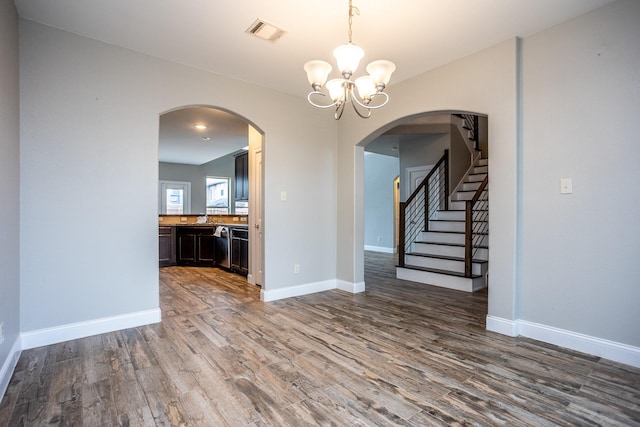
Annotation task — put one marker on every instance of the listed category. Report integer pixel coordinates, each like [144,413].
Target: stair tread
[445,257]
[435,270]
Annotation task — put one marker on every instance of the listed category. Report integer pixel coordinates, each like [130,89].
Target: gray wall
[580,251]
[379,173]
[10,178]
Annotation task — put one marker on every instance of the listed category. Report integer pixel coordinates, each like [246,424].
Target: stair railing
[431,195]
[476,225]
[471,125]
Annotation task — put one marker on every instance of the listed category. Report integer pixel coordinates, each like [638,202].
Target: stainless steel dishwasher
[223,248]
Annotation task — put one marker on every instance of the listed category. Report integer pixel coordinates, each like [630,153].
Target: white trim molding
[382,249]
[612,350]
[6,371]
[350,287]
[296,291]
[71,331]
[310,288]
[502,326]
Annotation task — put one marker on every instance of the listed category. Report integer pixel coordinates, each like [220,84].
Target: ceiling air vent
[265,31]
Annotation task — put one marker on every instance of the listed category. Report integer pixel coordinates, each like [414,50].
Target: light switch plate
[566,185]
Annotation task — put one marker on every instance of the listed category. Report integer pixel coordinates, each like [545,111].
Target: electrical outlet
[183,218]
[296,268]
[1,332]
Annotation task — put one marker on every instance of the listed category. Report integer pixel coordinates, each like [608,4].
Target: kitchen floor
[400,353]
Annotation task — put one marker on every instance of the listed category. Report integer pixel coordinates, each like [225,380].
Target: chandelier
[365,93]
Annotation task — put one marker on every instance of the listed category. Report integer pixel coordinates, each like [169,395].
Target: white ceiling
[181,142]
[417,35]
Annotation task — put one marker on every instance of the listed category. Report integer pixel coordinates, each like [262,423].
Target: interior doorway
[200,141]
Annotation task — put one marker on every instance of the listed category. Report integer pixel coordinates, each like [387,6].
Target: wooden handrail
[468,228]
[423,183]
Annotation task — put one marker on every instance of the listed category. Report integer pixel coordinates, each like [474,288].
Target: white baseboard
[71,331]
[502,326]
[296,291]
[350,287]
[379,249]
[618,352]
[310,288]
[6,371]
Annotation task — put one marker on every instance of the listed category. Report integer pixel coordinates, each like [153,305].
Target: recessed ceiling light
[205,138]
[200,126]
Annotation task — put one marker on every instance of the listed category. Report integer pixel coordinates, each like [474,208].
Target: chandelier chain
[352,11]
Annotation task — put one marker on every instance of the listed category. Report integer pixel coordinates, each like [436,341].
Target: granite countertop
[209,224]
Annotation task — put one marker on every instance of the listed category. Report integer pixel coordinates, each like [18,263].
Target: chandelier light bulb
[366,88]
[380,71]
[348,58]
[317,72]
[336,90]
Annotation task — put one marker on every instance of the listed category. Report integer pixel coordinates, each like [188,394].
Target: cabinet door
[186,248]
[206,249]
[242,177]
[166,247]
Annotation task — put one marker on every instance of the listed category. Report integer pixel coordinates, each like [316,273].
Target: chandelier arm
[320,105]
[355,104]
[369,106]
[339,111]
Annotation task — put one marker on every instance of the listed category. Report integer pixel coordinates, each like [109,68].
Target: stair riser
[455,238]
[441,280]
[480,169]
[460,216]
[442,264]
[467,195]
[476,178]
[446,250]
[427,236]
[469,186]
[483,162]
[446,226]
[457,205]
[453,226]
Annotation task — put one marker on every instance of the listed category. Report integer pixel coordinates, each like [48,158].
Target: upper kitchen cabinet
[242,177]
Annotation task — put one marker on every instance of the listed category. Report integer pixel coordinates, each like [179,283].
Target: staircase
[452,250]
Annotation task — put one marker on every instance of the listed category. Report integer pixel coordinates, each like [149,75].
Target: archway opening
[210,173]
[403,153]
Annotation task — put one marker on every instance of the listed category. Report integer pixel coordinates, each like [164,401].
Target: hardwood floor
[399,354]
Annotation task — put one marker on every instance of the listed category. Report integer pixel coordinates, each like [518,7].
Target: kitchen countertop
[209,224]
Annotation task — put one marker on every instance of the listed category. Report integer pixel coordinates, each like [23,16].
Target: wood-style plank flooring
[398,354]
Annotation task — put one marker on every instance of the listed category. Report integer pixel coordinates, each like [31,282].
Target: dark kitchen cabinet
[167,246]
[195,246]
[240,250]
[242,177]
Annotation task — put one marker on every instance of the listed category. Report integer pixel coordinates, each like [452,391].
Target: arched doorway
[419,141]
[209,148]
